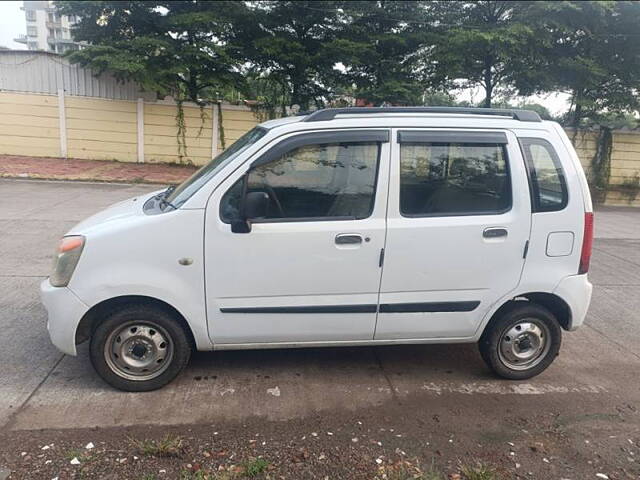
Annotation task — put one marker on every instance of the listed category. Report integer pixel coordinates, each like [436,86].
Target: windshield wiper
[163,197]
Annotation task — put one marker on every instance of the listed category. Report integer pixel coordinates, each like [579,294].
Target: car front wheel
[139,348]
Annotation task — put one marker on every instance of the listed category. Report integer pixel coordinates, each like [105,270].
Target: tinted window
[453,179]
[314,181]
[548,186]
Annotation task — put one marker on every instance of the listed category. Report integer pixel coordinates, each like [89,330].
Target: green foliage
[591,51]
[484,43]
[325,52]
[255,467]
[630,188]
[379,46]
[290,47]
[478,472]
[183,49]
[600,171]
[168,446]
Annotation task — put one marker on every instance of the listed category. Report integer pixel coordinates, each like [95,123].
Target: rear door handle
[494,232]
[348,239]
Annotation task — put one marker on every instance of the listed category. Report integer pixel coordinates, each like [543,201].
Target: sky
[12,23]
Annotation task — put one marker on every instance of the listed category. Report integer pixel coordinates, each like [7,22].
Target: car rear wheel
[139,348]
[522,342]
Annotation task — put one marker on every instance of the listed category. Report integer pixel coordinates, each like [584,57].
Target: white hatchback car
[361,226]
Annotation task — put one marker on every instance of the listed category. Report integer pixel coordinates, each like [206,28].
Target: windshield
[191,185]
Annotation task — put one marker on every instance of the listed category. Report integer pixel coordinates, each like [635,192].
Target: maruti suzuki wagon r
[356,226]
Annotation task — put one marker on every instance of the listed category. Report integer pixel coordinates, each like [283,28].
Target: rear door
[458,222]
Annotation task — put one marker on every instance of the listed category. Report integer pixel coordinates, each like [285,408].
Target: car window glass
[548,186]
[191,185]
[453,179]
[322,181]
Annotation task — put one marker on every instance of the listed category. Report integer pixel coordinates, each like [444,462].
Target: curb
[81,180]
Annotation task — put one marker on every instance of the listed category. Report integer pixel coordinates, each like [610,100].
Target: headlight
[66,260]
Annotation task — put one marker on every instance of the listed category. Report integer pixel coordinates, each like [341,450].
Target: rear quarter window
[546,177]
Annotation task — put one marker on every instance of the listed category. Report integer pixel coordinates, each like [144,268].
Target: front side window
[546,178]
[332,181]
[442,178]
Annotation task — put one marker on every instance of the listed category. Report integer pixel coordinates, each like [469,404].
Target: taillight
[587,243]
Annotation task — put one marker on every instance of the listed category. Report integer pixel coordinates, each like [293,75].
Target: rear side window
[453,178]
[546,178]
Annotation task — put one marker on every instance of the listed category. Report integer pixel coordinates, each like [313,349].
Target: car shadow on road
[455,361]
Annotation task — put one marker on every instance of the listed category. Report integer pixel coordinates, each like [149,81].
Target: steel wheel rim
[138,350]
[524,345]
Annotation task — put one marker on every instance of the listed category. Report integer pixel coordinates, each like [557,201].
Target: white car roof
[407,117]
[352,118]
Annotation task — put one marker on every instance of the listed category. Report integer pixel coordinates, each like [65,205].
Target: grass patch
[250,469]
[478,472]
[199,475]
[255,467]
[169,446]
[209,475]
[78,453]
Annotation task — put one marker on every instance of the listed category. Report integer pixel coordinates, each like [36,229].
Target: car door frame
[399,303]
[378,214]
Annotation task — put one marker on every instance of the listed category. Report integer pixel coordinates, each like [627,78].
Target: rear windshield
[191,185]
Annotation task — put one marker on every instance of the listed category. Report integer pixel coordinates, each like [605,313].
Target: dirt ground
[414,438]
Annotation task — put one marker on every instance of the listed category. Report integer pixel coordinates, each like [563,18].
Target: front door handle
[494,232]
[348,239]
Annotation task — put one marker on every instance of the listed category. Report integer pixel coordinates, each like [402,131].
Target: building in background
[47,30]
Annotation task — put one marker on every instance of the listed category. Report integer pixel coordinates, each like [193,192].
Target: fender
[158,256]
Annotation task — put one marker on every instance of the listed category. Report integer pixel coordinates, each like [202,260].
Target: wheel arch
[552,302]
[91,319]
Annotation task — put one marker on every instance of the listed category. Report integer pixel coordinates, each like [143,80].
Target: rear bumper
[576,291]
[64,311]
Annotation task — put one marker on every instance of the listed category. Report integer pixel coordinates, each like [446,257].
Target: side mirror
[240,225]
[255,206]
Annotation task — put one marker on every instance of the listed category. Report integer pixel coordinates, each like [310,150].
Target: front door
[309,270]
[459,220]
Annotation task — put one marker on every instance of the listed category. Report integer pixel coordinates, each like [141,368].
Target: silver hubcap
[524,345]
[139,350]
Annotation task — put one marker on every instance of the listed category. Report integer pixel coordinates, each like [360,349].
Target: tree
[593,53]
[183,49]
[485,43]
[379,47]
[291,43]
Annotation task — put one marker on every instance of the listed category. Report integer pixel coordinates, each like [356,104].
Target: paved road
[40,388]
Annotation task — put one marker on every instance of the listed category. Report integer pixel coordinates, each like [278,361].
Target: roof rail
[330,113]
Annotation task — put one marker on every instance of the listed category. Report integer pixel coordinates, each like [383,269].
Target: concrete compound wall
[124,130]
[141,131]
[624,179]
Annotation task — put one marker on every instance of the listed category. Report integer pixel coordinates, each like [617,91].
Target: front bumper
[576,291]
[64,310]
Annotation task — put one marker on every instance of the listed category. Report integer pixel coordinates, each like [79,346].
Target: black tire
[155,319]
[499,328]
